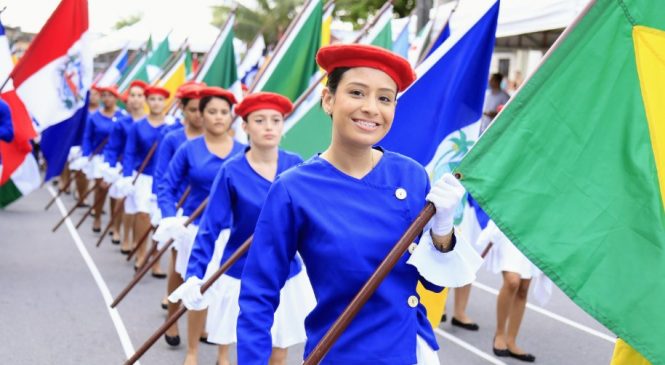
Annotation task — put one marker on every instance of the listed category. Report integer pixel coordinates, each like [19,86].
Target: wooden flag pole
[149,262]
[71,211]
[144,237]
[370,286]
[174,318]
[121,203]
[97,150]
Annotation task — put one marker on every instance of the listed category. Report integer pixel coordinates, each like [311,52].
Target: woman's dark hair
[333,80]
[185,101]
[335,77]
[206,99]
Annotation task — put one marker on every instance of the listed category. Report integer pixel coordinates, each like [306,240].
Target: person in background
[494,97]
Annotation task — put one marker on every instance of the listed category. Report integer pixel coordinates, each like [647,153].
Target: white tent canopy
[520,16]
[180,23]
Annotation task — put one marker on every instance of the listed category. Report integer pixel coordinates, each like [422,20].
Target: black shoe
[500,352]
[125,252]
[522,357]
[443,318]
[204,339]
[96,230]
[116,242]
[160,275]
[165,306]
[467,326]
[82,205]
[172,340]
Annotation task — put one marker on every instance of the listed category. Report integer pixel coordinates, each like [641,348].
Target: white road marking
[554,316]
[99,280]
[467,346]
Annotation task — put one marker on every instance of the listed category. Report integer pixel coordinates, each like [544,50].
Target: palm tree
[270,18]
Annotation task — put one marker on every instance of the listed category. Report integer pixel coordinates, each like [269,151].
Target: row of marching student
[320,227]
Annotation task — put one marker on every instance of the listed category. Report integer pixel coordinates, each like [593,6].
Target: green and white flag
[219,67]
[25,179]
[290,69]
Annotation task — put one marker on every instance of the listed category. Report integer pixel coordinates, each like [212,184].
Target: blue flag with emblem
[438,118]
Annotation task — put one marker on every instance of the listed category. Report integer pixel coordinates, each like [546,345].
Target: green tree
[271,18]
[358,12]
[127,21]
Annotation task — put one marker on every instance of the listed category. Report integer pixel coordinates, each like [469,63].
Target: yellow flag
[626,355]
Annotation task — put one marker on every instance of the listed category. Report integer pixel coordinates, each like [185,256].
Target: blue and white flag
[115,70]
[438,117]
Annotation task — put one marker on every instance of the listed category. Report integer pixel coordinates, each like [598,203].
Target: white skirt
[505,256]
[139,200]
[296,301]
[93,170]
[184,250]
[425,355]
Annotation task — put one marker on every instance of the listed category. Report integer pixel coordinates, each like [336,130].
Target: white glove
[124,186]
[445,194]
[80,163]
[110,174]
[190,294]
[171,228]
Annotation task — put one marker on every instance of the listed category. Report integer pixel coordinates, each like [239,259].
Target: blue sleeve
[6,126]
[216,217]
[162,159]
[86,144]
[113,146]
[129,155]
[169,183]
[265,272]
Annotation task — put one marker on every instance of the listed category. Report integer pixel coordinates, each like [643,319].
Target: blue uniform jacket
[343,228]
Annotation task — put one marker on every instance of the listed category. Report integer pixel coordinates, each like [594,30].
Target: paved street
[56,288]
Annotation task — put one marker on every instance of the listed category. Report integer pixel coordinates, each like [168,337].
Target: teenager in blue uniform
[195,164]
[189,98]
[112,170]
[97,130]
[235,202]
[343,211]
[143,135]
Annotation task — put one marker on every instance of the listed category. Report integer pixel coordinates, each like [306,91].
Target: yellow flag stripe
[626,355]
[649,46]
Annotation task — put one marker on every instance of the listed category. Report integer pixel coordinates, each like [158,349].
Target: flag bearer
[143,135]
[195,164]
[236,198]
[113,154]
[98,129]
[342,211]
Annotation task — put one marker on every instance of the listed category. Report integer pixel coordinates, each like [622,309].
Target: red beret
[263,100]
[140,83]
[218,91]
[109,89]
[361,55]
[189,90]
[157,90]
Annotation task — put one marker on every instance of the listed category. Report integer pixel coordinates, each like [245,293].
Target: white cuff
[450,269]
[169,228]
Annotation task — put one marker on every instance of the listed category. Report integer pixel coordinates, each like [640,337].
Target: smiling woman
[342,211]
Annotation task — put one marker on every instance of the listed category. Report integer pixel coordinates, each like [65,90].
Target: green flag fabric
[291,68]
[569,170]
[155,63]
[219,68]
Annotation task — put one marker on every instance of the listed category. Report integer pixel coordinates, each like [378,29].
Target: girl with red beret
[342,211]
[235,201]
[194,164]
